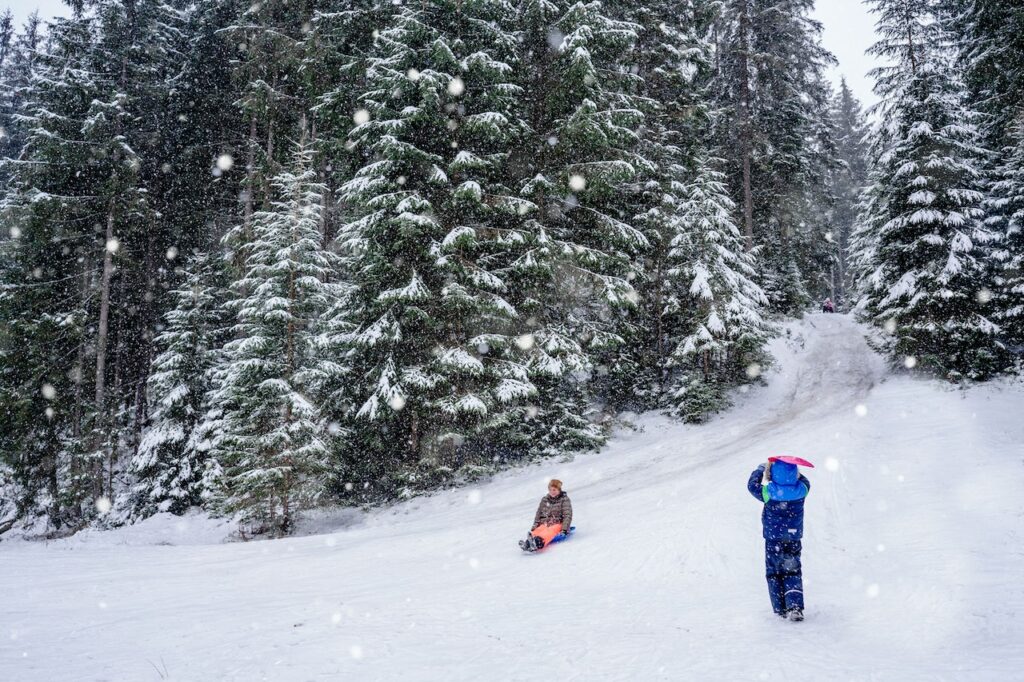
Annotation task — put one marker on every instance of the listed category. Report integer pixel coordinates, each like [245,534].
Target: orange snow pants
[547,533]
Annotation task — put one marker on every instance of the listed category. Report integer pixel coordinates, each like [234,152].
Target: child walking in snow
[780,486]
[553,517]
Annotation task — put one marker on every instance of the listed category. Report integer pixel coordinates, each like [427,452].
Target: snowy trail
[913,559]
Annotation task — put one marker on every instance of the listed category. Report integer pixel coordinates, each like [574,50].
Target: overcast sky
[22,8]
[849,30]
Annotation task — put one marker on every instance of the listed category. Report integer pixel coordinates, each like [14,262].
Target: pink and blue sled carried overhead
[789,459]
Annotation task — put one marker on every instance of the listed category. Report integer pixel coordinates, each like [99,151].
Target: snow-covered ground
[913,559]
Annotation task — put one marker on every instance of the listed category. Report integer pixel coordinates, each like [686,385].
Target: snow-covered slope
[913,559]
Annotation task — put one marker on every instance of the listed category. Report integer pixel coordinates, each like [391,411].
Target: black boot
[531,543]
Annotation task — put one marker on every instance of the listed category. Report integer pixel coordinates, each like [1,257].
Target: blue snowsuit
[783,523]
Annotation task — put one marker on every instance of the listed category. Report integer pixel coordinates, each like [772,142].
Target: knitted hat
[555,483]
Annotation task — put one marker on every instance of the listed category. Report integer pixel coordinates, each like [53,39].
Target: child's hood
[785,473]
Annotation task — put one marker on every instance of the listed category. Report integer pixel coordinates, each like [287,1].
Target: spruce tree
[774,128]
[272,442]
[926,275]
[1007,201]
[849,181]
[578,165]
[172,465]
[48,269]
[672,68]
[433,247]
[714,313]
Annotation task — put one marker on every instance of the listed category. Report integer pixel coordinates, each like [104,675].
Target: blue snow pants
[785,579]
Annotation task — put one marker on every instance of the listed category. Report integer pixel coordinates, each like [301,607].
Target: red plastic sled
[789,459]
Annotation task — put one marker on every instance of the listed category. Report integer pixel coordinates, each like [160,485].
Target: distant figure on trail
[828,306]
[553,518]
[782,489]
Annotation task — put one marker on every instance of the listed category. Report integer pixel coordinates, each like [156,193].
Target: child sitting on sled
[553,518]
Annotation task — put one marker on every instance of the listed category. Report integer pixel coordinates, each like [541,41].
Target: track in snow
[912,559]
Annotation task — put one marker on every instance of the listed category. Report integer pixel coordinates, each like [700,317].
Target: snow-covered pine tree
[849,181]
[337,50]
[926,247]
[48,269]
[990,37]
[432,249]
[17,68]
[1007,200]
[714,314]
[670,60]
[136,54]
[774,128]
[272,444]
[268,39]
[578,166]
[171,467]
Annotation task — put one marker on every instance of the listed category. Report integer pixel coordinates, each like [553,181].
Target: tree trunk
[104,324]
[659,318]
[250,176]
[746,129]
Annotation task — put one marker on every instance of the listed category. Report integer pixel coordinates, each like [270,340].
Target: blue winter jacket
[783,498]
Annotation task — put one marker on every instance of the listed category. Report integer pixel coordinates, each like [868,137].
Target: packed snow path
[913,559]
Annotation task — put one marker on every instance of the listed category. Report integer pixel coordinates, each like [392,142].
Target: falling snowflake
[15,232]
[984,296]
[526,341]
[103,505]
[910,362]
[113,245]
[413,75]
[49,392]
[456,87]
[172,253]
[753,370]
[225,162]
[577,183]
[360,117]
[832,464]
[861,410]
[396,402]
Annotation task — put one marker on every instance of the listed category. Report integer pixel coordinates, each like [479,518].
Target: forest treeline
[257,257]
